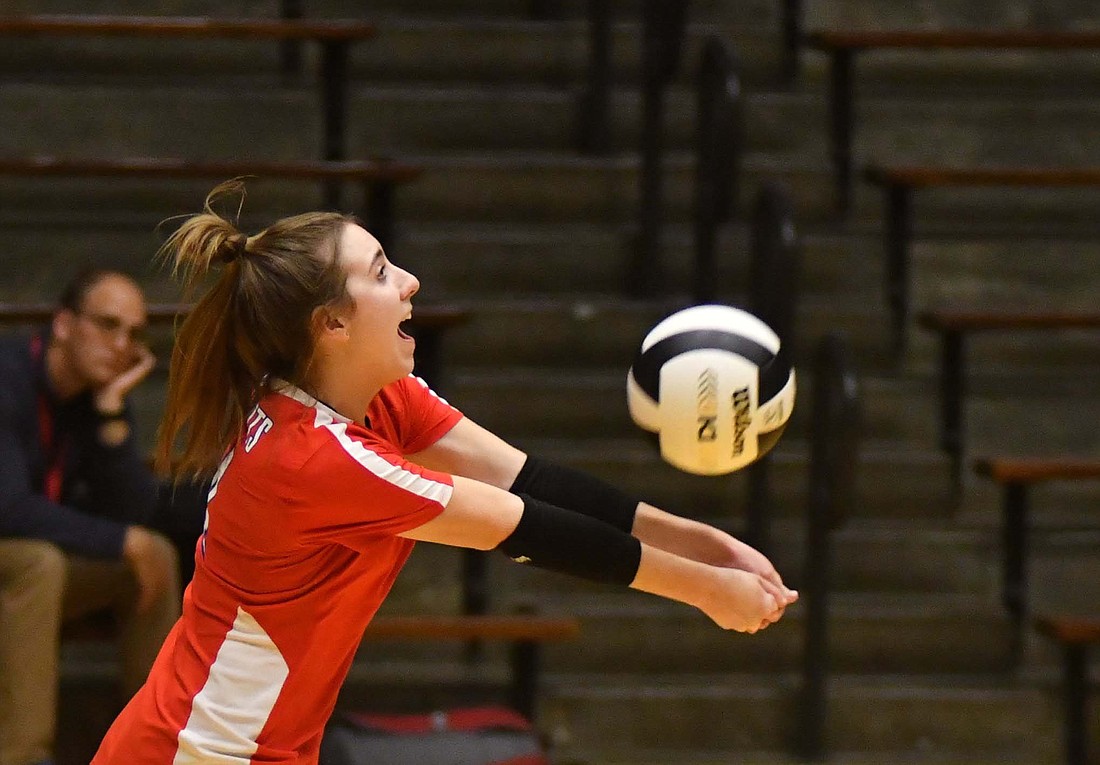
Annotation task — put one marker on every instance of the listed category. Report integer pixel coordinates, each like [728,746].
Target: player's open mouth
[401,333]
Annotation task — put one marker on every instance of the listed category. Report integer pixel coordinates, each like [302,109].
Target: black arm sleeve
[576,491]
[561,540]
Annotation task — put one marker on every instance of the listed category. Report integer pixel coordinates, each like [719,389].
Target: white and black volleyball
[713,382]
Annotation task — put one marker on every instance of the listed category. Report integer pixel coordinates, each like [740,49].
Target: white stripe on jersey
[387,471]
[337,424]
[232,708]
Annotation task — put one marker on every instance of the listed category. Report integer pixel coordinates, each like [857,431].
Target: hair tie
[235,247]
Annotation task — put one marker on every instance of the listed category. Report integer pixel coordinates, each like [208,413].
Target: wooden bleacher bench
[1075,635]
[1009,470]
[900,182]
[429,323]
[334,36]
[379,177]
[1016,475]
[953,326]
[843,46]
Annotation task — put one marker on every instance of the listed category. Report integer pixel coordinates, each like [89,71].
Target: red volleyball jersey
[300,548]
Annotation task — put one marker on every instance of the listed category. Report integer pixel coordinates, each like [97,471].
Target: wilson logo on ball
[742,419]
[713,382]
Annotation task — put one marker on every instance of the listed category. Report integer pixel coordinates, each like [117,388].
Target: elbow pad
[576,491]
[571,543]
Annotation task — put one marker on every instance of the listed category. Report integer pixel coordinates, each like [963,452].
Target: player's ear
[327,324]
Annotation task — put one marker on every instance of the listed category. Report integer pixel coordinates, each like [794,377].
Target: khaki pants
[40,588]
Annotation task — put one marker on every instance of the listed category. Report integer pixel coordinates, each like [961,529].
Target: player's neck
[347,396]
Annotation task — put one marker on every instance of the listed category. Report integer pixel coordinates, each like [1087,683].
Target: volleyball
[713,383]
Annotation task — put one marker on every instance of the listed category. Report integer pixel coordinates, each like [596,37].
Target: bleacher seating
[953,327]
[1075,635]
[334,36]
[527,240]
[900,182]
[842,46]
[1016,476]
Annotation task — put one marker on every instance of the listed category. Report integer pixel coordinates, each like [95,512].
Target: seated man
[75,498]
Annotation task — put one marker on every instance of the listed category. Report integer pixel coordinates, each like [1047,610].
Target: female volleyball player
[290,382]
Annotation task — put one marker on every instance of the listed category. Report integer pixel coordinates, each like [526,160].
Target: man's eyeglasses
[113,326]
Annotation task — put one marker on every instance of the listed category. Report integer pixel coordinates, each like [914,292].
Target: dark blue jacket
[104,488]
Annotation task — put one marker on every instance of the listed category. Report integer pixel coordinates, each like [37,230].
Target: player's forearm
[675,577]
[682,536]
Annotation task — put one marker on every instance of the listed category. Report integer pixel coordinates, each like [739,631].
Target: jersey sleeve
[429,416]
[356,488]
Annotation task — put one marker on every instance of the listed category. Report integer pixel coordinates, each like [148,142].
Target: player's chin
[408,363]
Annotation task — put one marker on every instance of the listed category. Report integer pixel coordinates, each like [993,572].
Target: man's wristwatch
[113,428]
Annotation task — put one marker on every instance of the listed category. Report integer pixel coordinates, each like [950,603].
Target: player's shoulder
[318,433]
[409,391]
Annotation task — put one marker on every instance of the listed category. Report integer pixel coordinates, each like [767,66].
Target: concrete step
[881,14]
[464,48]
[886,714]
[872,634]
[555,187]
[982,73]
[975,131]
[199,121]
[975,269]
[1060,275]
[555,52]
[892,124]
[413,116]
